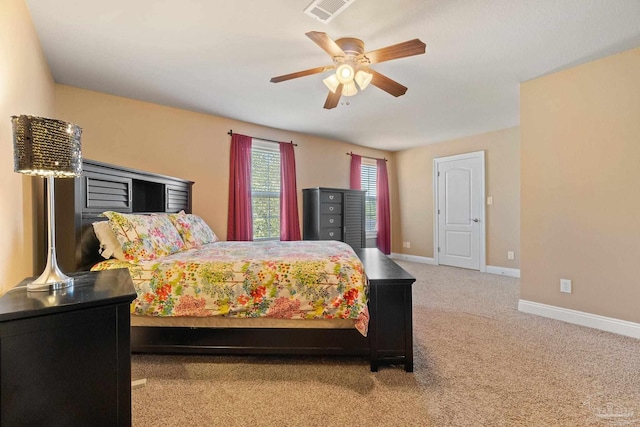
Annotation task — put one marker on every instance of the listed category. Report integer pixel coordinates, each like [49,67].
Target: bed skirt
[230,322]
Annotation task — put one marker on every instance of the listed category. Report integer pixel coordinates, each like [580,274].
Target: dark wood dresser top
[89,289]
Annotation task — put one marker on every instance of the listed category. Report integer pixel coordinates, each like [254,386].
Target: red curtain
[289,221]
[356,172]
[383,211]
[240,221]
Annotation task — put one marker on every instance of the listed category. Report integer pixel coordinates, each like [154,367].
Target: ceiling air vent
[325,10]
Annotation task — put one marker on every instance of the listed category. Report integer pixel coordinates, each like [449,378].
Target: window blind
[265,190]
[368,178]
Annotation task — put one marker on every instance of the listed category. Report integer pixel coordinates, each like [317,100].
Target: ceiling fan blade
[302,73]
[333,98]
[326,43]
[385,83]
[400,50]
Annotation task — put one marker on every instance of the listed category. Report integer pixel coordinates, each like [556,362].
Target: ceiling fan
[352,66]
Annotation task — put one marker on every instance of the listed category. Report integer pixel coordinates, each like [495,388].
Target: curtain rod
[350,153]
[264,139]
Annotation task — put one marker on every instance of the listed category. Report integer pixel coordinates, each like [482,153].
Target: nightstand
[65,356]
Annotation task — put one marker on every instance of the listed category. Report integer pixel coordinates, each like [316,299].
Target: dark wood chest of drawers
[334,214]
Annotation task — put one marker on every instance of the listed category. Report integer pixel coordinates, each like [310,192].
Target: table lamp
[49,148]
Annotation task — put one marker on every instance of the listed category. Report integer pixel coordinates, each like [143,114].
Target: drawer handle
[330,208]
[331,233]
[331,197]
[331,221]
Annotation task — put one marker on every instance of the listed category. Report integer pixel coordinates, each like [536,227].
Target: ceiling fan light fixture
[349,89]
[345,73]
[363,79]
[351,61]
[331,82]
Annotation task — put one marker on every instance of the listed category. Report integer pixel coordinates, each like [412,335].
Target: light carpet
[478,362]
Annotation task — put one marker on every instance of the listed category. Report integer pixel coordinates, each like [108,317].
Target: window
[368,175]
[265,190]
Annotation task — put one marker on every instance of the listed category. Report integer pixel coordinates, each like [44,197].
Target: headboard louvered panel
[177,199]
[107,193]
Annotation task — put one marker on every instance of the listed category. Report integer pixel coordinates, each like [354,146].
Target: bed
[104,187]
[190,283]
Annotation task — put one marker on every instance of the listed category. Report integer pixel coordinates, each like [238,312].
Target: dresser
[334,214]
[65,357]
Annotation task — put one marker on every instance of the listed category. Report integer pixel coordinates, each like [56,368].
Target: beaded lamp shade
[46,147]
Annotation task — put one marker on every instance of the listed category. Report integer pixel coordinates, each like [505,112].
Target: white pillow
[109,245]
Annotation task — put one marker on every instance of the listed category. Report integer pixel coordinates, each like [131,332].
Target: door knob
[475,220]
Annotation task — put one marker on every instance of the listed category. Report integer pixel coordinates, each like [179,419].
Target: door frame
[483,215]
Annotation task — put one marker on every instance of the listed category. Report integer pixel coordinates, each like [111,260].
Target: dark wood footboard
[390,308]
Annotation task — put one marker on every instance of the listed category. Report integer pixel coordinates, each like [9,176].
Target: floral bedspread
[285,280]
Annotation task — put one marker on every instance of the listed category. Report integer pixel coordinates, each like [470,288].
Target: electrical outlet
[408,244]
[489,200]
[510,255]
[404,244]
[565,286]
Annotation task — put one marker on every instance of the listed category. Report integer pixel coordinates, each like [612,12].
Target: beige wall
[26,87]
[194,146]
[502,182]
[581,187]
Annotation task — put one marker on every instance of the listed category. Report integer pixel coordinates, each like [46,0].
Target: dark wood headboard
[104,187]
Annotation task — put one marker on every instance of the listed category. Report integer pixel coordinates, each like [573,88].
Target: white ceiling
[217,57]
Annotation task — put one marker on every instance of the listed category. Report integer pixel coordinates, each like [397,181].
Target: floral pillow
[193,230]
[145,237]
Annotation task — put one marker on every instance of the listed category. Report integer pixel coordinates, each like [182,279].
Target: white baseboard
[503,271]
[609,324]
[413,258]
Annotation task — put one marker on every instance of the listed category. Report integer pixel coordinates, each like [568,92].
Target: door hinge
[438,248]
[438,211]
[438,173]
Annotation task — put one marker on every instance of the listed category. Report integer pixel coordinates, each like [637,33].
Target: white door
[460,210]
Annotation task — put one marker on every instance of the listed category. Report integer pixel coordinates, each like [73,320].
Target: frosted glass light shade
[345,73]
[332,83]
[363,79]
[349,89]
